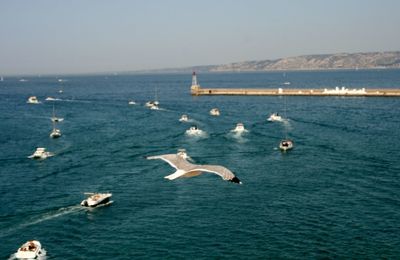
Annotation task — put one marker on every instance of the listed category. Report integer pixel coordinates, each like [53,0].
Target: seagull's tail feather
[175,175]
[235,180]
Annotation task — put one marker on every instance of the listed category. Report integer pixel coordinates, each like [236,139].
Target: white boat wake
[54,214]
[287,125]
[43,217]
[238,136]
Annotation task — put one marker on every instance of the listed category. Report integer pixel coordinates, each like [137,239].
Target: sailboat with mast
[55,133]
[54,118]
[286,144]
[153,104]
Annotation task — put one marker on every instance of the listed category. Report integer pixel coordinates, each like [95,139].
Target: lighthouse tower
[195,86]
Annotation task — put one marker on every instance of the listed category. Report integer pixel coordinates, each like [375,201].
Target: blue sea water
[336,195]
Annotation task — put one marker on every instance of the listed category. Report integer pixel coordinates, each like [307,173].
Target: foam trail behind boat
[43,217]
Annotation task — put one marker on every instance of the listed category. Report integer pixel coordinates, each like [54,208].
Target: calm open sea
[336,195]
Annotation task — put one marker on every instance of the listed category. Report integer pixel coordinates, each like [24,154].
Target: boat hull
[94,202]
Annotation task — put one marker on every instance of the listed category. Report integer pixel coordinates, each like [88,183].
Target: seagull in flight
[187,169]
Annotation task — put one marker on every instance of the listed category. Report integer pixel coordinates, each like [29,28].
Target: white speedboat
[193,130]
[214,112]
[96,199]
[182,153]
[55,133]
[239,128]
[30,250]
[40,153]
[275,117]
[286,144]
[152,105]
[184,118]
[131,102]
[33,100]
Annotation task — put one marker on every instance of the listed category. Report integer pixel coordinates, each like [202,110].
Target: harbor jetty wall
[196,90]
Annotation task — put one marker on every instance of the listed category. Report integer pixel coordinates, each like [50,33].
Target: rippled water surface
[335,195]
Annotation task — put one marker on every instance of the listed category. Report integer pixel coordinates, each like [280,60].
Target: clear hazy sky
[79,36]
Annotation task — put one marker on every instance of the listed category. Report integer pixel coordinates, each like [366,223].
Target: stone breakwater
[198,91]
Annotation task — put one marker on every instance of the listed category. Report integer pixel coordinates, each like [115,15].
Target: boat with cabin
[33,100]
[55,133]
[152,105]
[214,112]
[286,144]
[239,128]
[184,118]
[275,117]
[96,199]
[194,130]
[30,250]
[40,153]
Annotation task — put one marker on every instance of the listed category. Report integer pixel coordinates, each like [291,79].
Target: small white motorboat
[96,199]
[286,144]
[131,102]
[152,105]
[30,250]
[214,112]
[33,100]
[239,128]
[275,117]
[194,130]
[184,118]
[183,154]
[40,153]
[55,133]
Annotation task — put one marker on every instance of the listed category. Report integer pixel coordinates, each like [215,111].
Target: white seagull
[187,169]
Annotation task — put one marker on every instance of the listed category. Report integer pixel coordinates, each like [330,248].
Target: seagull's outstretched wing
[171,159]
[174,160]
[223,172]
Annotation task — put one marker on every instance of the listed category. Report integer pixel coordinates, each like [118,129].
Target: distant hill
[366,60]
